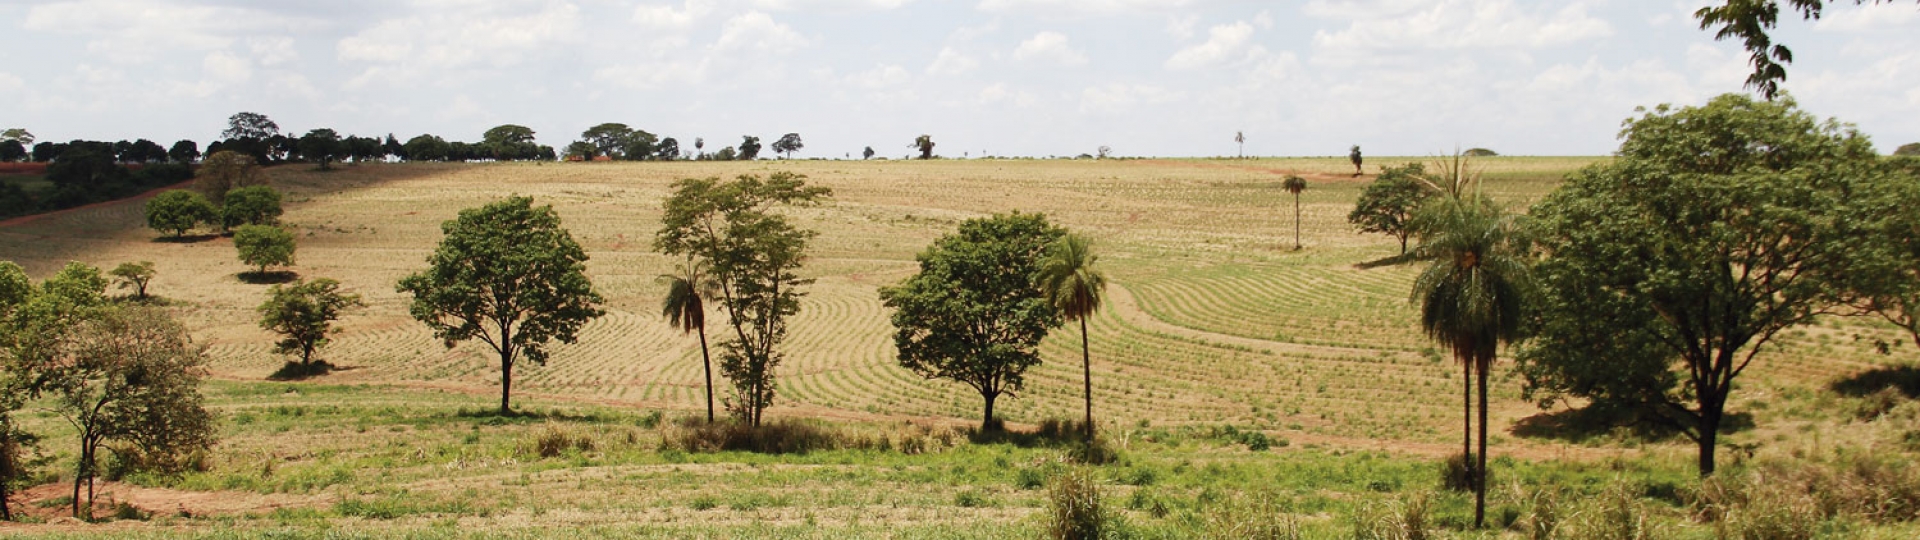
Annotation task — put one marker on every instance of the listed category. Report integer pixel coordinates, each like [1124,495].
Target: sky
[982,77]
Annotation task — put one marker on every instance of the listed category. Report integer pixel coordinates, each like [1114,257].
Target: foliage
[923,143]
[1750,20]
[1390,203]
[263,246]
[249,125]
[184,151]
[322,145]
[1909,149]
[1074,508]
[251,205]
[1479,152]
[685,308]
[1715,230]
[1354,156]
[226,170]
[303,312]
[509,275]
[749,148]
[132,275]
[129,375]
[509,142]
[609,139]
[178,211]
[788,144]
[975,313]
[1884,276]
[1295,184]
[867,154]
[1071,284]
[774,437]
[751,254]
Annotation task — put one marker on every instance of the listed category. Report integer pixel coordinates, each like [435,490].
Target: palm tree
[1471,300]
[1295,184]
[687,311]
[1072,285]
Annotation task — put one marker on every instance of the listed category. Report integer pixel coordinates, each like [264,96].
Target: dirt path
[23,220]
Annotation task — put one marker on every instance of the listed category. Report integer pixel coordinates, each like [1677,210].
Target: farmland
[1213,321]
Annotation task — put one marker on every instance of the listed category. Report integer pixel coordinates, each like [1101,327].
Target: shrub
[553,441]
[1456,473]
[1405,519]
[1617,513]
[263,246]
[1258,517]
[178,211]
[1098,451]
[775,437]
[1074,509]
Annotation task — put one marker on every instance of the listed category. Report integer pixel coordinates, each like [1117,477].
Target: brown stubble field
[1214,317]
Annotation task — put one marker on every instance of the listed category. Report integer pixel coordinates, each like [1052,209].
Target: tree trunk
[1466,417]
[506,382]
[986,422]
[83,471]
[1086,370]
[708,362]
[1296,222]
[1710,417]
[1480,471]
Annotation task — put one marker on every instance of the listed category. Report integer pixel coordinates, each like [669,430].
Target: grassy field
[1214,321]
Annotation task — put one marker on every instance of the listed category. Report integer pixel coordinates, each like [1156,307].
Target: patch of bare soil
[48,503]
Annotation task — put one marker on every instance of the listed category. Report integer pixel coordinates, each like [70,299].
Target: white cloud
[226,68]
[1181,26]
[1120,97]
[665,17]
[11,83]
[1874,16]
[817,6]
[755,31]
[952,62]
[133,31]
[272,51]
[1049,47]
[1093,7]
[882,76]
[1456,24]
[430,46]
[1223,42]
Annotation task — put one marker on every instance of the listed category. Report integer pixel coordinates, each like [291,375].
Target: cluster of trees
[124,375]
[1646,285]
[85,172]
[616,141]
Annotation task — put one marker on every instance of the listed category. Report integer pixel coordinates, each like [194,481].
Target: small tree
[1909,149]
[509,275]
[184,151]
[685,308]
[130,375]
[1240,138]
[749,148]
[788,144]
[15,290]
[751,254]
[303,312]
[1295,184]
[867,154]
[134,276]
[249,125]
[924,143]
[178,211]
[1354,156]
[251,205]
[1071,283]
[1390,202]
[225,170]
[974,314]
[263,246]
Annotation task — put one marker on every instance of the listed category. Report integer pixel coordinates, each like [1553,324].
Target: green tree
[178,211]
[975,313]
[1909,149]
[224,171]
[1669,269]
[322,145]
[129,375]
[1354,156]
[132,275]
[668,149]
[686,309]
[249,125]
[263,246]
[251,205]
[867,154]
[509,142]
[749,148]
[510,276]
[1295,184]
[15,290]
[582,149]
[1071,283]
[11,151]
[788,144]
[923,143]
[642,145]
[426,147]
[303,312]
[1472,297]
[184,151]
[19,135]
[1389,203]
[610,139]
[752,255]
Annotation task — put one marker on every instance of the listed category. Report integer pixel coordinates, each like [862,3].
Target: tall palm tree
[1295,184]
[1069,281]
[685,309]
[1471,300]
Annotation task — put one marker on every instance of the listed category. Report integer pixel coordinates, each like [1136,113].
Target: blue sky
[1001,77]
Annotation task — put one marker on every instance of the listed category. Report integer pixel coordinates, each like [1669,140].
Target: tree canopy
[1670,268]
[510,276]
[263,246]
[251,205]
[249,125]
[303,312]
[1389,203]
[788,144]
[974,313]
[752,255]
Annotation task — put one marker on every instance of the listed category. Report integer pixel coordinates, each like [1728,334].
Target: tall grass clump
[774,437]
[1790,499]
[1616,513]
[1405,519]
[1254,517]
[1074,508]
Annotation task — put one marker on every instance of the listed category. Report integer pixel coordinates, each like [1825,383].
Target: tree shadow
[271,277]
[1596,423]
[1905,378]
[299,371]
[186,238]
[1050,433]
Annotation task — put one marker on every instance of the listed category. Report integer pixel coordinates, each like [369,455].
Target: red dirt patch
[152,501]
[23,168]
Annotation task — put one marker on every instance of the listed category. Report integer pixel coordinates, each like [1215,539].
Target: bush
[553,441]
[178,211]
[263,245]
[1909,149]
[1098,451]
[776,437]
[1074,509]
[1456,473]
